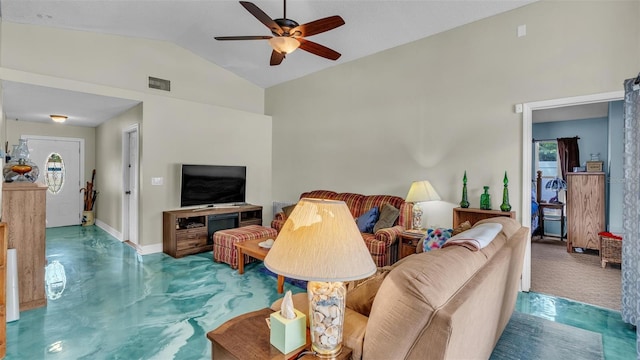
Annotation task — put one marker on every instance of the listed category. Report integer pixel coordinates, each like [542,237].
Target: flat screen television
[212,184]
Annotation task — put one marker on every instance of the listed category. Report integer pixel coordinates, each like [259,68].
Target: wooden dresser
[585,209]
[24,211]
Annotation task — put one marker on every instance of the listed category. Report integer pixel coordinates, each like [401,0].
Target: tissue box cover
[288,334]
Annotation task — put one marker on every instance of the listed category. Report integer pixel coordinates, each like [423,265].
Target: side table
[543,217]
[409,241]
[253,249]
[247,337]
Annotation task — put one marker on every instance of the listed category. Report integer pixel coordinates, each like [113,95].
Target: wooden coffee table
[247,337]
[251,248]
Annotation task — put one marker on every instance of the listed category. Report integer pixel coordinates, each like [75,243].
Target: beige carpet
[575,276]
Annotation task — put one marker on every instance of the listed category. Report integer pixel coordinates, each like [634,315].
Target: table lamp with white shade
[320,242]
[420,191]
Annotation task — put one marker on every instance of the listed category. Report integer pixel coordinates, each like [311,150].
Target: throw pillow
[367,220]
[460,228]
[287,210]
[435,238]
[361,295]
[388,216]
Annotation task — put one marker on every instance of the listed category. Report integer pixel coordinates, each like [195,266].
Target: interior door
[64,207]
[130,182]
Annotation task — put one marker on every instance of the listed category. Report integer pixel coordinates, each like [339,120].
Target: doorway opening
[527,160]
[130,171]
[64,206]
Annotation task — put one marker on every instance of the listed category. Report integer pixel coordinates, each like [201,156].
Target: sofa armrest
[278,221]
[280,216]
[389,235]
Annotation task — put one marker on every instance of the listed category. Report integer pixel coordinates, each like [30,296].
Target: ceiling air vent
[160,84]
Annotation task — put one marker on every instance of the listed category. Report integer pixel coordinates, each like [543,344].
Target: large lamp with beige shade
[320,242]
[420,191]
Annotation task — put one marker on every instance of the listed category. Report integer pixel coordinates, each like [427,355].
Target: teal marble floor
[111,303]
[619,338]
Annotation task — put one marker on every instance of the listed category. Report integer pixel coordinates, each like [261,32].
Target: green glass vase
[485,200]
[505,194]
[465,202]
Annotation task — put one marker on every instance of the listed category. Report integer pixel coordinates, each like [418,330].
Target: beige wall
[211,116]
[109,178]
[172,132]
[200,134]
[124,62]
[427,110]
[445,104]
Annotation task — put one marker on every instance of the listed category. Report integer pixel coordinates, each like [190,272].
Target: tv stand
[190,231]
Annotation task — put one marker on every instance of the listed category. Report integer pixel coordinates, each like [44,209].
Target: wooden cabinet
[472,215]
[190,231]
[585,209]
[24,211]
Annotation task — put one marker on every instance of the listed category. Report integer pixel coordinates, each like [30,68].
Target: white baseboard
[140,249]
[113,232]
[149,249]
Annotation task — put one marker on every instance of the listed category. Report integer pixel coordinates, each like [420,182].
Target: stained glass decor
[54,173]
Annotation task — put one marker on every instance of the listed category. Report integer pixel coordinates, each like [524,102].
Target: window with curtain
[546,160]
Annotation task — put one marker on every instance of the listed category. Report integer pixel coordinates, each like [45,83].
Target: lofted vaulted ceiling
[371,27]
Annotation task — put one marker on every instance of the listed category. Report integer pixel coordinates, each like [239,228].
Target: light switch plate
[157,181]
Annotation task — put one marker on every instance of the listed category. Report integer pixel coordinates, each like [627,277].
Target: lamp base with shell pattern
[327,302]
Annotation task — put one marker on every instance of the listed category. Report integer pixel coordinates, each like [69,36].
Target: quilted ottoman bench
[224,241]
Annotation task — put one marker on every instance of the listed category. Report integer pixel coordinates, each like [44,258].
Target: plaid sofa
[383,245]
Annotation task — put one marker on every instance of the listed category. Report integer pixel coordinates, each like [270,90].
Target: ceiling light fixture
[58,118]
[284,44]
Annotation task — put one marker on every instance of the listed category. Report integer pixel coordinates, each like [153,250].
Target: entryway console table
[190,231]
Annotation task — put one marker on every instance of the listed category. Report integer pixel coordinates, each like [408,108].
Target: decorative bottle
[485,200]
[505,195]
[465,202]
[20,168]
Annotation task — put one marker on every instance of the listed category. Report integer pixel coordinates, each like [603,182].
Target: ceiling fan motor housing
[286,25]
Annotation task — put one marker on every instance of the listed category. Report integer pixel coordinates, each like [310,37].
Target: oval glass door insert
[54,173]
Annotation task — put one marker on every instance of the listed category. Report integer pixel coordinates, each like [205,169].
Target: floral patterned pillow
[435,238]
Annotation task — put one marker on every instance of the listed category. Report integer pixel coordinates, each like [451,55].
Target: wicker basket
[610,250]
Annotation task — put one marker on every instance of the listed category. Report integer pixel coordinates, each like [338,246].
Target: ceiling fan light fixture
[284,44]
[58,118]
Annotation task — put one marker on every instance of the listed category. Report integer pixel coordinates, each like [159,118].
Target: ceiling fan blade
[318,26]
[318,49]
[276,58]
[259,37]
[262,17]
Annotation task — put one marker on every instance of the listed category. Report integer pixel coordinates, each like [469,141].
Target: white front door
[64,208]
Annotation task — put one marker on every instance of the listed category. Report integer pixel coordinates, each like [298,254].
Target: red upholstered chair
[383,245]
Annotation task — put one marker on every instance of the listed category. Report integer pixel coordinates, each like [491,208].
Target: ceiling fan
[288,35]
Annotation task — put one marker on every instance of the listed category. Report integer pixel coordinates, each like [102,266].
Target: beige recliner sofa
[451,303]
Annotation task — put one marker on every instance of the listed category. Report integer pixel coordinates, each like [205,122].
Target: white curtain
[631,206]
